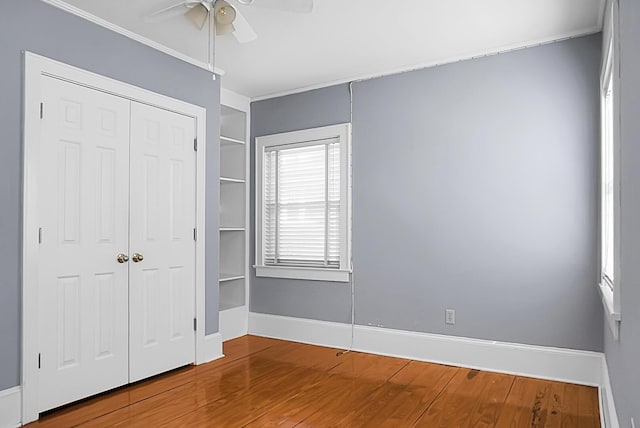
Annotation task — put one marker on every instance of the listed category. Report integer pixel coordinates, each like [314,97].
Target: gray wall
[39,28]
[327,301]
[623,355]
[475,188]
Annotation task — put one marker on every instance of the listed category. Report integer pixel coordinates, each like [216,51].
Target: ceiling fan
[225,16]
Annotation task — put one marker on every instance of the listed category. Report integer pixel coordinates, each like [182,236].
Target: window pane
[269,206]
[333,239]
[607,187]
[302,205]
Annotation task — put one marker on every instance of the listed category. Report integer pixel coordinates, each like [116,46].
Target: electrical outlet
[450,316]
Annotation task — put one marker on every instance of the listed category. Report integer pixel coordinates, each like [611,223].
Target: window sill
[613,317]
[312,274]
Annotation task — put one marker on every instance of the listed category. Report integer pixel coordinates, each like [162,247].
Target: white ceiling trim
[450,60]
[130,34]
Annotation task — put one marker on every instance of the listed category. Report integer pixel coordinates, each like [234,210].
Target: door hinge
[41,110]
[195,234]
[39,360]
[39,235]
[195,144]
[195,324]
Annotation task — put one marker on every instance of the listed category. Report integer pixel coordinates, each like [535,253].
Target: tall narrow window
[302,205]
[608,221]
[609,170]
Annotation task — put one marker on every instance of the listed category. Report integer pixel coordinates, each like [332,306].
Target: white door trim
[34,67]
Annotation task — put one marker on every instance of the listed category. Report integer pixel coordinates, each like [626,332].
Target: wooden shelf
[230,277]
[229,140]
[224,180]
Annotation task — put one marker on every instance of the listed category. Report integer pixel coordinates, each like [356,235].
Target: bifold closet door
[162,245]
[83,212]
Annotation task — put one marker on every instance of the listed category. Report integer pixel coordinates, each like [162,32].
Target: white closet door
[162,221]
[83,212]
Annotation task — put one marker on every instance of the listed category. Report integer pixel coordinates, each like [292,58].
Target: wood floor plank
[239,407]
[456,406]
[255,403]
[588,407]
[561,405]
[377,398]
[311,356]
[118,399]
[545,404]
[103,404]
[273,383]
[307,362]
[247,345]
[421,383]
[489,403]
[209,385]
[357,376]
[355,380]
[296,409]
[522,406]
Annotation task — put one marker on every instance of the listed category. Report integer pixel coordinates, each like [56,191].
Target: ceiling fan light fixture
[198,14]
[224,13]
[221,30]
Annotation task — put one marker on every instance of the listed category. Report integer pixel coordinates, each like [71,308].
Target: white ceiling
[344,40]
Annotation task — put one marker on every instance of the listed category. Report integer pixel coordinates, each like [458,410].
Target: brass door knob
[122,258]
[137,257]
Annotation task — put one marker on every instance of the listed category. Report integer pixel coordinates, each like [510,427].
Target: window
[609,170]
[303,189]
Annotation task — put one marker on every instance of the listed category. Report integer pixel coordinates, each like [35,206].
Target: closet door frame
[208,347]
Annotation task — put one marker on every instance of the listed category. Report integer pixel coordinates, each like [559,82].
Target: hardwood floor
[265,383]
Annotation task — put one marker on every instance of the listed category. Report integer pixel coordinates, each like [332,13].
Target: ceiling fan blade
[176,9]
[298,6]
[243,33]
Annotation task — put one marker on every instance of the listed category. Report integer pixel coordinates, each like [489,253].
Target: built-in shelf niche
[233,208]
[232,294]
[232,205]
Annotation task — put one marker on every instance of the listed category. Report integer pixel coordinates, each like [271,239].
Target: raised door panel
[83,214]
[162,284]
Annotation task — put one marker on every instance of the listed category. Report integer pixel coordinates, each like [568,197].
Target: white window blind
[301,203]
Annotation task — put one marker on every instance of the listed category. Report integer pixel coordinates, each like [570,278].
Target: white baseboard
[212,349]
[581,367]
[313,332]
[234,323]
[608,415]
[11,407]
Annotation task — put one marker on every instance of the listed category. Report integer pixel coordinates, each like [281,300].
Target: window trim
[343,133]
[609,79]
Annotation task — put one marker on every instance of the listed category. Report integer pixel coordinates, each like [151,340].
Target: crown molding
[414,67]
[132,35]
